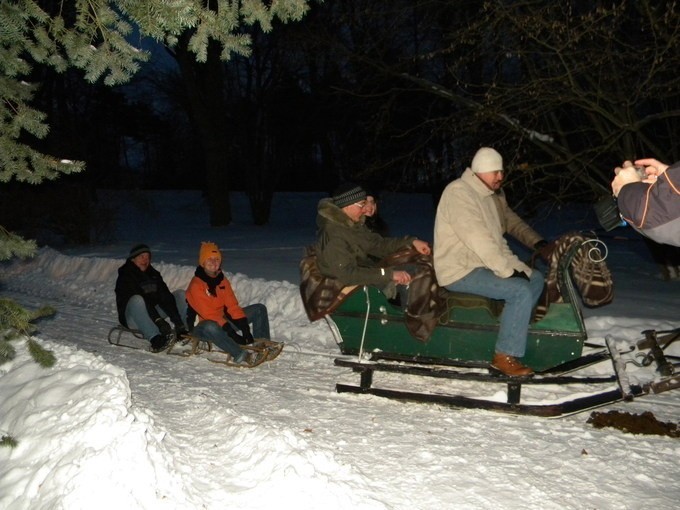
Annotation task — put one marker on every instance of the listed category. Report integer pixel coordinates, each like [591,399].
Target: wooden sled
[260,351]
[188,345]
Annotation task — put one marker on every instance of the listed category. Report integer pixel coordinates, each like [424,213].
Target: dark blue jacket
[654,209]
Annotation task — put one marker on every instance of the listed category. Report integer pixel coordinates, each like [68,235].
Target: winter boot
[509,365]
[241,357]
[160,343]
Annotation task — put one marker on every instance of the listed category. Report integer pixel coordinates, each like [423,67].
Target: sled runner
[662,377]
[259,351]
[378,343]
[117,333]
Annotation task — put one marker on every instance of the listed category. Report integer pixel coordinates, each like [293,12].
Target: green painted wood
[469,333]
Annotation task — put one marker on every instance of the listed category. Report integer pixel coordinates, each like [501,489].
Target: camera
[608,214]
[607,210]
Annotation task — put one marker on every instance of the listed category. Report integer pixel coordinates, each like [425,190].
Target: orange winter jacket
[210,307]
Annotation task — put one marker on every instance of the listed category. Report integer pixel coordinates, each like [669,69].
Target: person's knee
[257,310]
[537,278]
[135,306]
[207,327]
[135,300]
[259,307]
[521,292]
[212,327]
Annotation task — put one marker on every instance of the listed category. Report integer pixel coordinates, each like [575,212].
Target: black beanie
[347,194]
[138,250]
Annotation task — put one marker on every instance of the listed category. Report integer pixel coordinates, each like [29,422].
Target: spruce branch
[40,355]
[8,441]
[12,245]
[15,323]
[7,351]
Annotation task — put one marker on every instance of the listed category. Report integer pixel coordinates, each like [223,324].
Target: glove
[544,249]
[243,325]
[241,339]
[163,327]
[519,274]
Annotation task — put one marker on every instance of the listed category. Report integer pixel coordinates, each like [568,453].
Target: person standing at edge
[471,255]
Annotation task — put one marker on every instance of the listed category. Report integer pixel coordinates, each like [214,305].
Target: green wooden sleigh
[373,339]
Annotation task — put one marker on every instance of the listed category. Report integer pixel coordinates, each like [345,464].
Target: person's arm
[167,302]
[516,226]
[338,260]
[654,208]
[231,304]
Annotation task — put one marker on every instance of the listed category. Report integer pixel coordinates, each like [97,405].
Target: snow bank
[78,437]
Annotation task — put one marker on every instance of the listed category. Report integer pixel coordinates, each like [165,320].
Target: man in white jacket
[471,255]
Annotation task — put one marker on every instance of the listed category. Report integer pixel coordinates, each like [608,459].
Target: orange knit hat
[208,250]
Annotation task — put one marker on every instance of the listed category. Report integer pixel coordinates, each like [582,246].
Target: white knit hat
[486,160]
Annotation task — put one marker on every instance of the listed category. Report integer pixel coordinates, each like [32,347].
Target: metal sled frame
[453,369]
[116,332]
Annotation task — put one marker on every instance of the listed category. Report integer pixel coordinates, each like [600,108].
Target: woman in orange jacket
[222,321]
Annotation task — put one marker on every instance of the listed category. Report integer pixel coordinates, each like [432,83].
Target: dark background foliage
[397,95]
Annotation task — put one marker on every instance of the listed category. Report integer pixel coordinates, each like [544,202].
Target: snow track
[280,436]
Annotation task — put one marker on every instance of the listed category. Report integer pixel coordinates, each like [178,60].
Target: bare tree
[565,90]
[568,90]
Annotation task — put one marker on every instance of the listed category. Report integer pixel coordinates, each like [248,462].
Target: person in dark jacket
[650,205]
[372,218]
[347,250]
[144,301]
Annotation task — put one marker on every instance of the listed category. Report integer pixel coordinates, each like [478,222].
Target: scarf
[212,282]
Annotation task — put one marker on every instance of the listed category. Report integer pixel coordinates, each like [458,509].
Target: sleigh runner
[386,346]
[260,351]
[615,387]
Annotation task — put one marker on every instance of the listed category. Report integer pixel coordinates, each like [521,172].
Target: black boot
[160,343]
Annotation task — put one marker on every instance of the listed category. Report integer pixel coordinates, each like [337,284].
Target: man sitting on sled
[345,244]
[144,301]
[471,254]
[211,297]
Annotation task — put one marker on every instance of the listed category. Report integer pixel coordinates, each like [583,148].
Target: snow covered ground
[109,427]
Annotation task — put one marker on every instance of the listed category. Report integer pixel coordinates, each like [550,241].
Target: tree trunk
[204,84]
